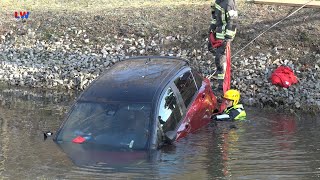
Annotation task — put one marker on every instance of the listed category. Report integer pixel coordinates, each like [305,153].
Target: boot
[221,66]
[218,75]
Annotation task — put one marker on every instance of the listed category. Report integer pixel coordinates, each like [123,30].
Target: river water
[269,145]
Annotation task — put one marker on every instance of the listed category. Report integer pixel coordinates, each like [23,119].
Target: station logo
[22,15]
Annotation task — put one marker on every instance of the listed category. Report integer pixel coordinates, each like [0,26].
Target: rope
[210,76]
[271,27]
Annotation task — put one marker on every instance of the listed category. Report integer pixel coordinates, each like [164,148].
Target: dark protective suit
[223,24]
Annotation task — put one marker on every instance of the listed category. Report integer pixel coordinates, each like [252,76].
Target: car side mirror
[47,134]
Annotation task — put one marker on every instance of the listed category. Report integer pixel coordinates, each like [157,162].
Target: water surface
[269,145]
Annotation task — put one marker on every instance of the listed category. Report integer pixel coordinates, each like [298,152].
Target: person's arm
[233,113]
[231,19]
[223,117]
[213,18]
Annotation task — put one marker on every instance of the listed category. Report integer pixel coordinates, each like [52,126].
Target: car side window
[186,87]
[169,114]
[197,78]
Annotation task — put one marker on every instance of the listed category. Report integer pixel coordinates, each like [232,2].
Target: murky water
[268,146]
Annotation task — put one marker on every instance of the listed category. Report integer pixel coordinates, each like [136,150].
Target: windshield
[117,125]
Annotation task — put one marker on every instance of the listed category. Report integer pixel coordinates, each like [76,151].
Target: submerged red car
[140,104]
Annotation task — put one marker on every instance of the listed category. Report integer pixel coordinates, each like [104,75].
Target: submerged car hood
[93,155]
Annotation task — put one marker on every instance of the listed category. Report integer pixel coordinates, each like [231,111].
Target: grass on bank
[94,5]
[151,11]
[91,5]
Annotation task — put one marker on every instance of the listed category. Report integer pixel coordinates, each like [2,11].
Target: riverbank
[69,49]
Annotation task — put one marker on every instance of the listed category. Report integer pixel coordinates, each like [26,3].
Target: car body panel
[88,155]
[199,113]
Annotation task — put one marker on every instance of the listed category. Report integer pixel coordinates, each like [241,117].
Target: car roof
[133,80]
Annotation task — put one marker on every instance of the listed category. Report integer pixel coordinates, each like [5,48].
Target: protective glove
[214,117]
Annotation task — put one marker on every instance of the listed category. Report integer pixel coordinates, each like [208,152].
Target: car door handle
[185,129]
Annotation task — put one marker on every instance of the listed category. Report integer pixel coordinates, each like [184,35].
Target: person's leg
[220,62]
[210,48]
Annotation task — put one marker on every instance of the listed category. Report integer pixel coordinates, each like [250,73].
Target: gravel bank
[71,57]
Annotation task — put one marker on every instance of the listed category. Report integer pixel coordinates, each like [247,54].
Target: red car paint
[200,111]
[79,140]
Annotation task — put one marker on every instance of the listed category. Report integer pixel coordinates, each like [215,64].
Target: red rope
[227,75]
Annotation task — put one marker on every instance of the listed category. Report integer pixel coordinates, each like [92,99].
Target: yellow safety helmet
[233,95]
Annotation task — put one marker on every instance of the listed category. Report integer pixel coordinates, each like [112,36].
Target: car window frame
[194,78]
[178,95]
[178,98]
[197,88]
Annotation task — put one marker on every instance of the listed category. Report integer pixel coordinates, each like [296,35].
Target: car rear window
[119,125]
[186,87]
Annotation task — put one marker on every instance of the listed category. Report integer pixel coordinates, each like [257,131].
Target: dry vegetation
[105,22]
[166,17]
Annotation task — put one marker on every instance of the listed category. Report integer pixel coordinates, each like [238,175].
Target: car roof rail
[159,57]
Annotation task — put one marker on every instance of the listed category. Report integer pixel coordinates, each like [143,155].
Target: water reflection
[283,129]
[269,145]
[276,145]
[24,114]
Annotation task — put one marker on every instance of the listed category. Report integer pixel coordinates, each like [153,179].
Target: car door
[206,101]
[197,100]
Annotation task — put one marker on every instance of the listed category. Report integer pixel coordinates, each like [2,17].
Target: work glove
[214,117]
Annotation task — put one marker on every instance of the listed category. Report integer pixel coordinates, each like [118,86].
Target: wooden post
[313,4]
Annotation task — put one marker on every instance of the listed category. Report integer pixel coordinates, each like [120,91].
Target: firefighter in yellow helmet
[234,110]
